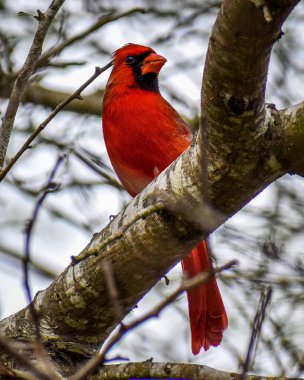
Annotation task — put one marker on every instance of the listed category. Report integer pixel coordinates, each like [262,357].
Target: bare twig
[256,328]
[21,83]
[36,266]
[80,36]
[97,168]
[187,284]
[75,95]
[88,158]
[50,187]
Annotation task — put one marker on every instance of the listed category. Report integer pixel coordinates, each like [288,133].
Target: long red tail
[208,318]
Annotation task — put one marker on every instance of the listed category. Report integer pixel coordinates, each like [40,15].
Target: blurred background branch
[49,98]
[44,22]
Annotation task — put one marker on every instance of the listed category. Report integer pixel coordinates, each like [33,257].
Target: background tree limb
[39,95]
[21,83]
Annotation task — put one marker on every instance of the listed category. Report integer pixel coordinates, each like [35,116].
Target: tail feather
[208,318]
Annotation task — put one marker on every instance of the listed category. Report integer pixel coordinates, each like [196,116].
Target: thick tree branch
[21,83]
[292,134]
[76,310]
[170,371]
[188,283]
[233,91]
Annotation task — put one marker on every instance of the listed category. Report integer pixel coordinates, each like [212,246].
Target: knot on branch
[262,4]
[185,219]
[182,228]
[238,105]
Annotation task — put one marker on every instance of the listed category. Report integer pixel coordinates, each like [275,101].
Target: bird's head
[137,66]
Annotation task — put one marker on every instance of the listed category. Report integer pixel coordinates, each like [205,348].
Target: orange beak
[152,64]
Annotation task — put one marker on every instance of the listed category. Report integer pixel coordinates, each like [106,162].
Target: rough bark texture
[249,146]
[292,136]
[239,147]
[145,240]
[76,312]
[169,371]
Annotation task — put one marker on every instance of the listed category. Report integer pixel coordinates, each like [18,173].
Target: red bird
[144,135]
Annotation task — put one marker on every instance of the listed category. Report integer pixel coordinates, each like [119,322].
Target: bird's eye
[130,59]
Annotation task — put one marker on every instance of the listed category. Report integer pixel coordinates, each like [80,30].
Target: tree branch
[13,351]
[150,370]
[256,328]
[39,268]
[44,60]
[50,98]
[233,96]
[76,311]
[188,283]
[40,128]
[292,135]
[21,83]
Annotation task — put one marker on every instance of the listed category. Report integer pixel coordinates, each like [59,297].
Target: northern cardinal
[143,135]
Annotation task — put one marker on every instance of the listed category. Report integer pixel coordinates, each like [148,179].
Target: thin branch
[21,83]
[187,284]
[97,168]
[39,268]
[49,188]
[256,328]
[75,95]
[90,159]
[80,36]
